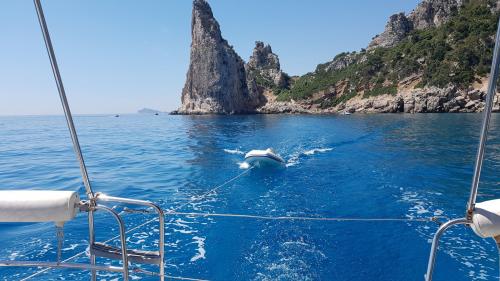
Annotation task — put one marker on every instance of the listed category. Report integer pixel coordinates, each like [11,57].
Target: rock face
[264,65]
[425,100]
[285,107]
[433,13]
[495,7]
[340,62]
[216,81]
[408,100]
[396,30]
[429,13]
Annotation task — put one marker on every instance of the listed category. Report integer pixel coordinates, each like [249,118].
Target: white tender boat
[259,157]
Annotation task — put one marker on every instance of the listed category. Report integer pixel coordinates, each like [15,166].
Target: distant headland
[434,59]
[150,111]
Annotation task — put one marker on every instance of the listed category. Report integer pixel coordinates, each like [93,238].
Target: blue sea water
[359,166]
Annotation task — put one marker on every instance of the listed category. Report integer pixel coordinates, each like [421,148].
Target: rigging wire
[63,98]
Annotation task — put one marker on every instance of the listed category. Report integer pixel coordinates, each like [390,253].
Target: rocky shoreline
[425,100]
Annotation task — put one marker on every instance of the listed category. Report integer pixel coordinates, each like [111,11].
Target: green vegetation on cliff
[456,52]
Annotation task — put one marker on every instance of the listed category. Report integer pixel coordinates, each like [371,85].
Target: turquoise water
[368,166]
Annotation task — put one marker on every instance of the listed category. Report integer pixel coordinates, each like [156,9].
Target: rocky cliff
[264,67]
[435,59]
[395,31]
[216,80]
[264,74]
[433,13]
[429,13]
[423,100]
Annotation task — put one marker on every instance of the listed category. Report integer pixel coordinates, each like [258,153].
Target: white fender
[38,206]
[486,219]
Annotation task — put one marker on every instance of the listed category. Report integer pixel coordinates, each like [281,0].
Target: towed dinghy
[263,157]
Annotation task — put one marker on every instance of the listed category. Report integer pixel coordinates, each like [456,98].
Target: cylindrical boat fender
[486,219]
[38,206]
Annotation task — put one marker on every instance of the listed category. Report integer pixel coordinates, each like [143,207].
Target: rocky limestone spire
[263,56]
[216,79]
[264,66]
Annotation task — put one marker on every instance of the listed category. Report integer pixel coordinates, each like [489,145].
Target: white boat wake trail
[295,157]
[234,151]
[317,150]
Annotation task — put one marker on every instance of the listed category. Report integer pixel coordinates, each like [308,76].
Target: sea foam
[243,165]
[201,249]
[234,151]
[295,157]
[317,150]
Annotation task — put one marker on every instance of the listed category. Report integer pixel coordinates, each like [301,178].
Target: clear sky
[118,56]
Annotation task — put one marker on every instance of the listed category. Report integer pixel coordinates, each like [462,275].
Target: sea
[410,168]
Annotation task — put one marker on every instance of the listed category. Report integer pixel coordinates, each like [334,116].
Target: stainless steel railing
[161,221]
[492,85]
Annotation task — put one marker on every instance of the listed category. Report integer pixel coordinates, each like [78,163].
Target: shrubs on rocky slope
[456,52]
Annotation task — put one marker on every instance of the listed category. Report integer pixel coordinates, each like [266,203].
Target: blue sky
[117,56]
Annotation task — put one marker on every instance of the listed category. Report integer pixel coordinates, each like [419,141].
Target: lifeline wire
[337,219]
[147,272]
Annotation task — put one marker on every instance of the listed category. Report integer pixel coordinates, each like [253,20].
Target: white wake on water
[234,151]
[243,165]
[462,247]
[201,248]
[317,150]
[295,157]
[292,161]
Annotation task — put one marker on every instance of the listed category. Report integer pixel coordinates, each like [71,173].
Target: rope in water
[197,198]
[150,221]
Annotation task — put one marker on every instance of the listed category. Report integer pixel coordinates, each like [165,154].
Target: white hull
[263,157]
